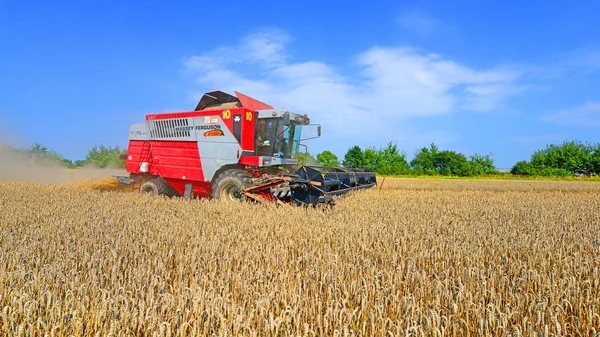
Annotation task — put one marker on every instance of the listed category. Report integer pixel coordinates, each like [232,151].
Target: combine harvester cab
[234,148]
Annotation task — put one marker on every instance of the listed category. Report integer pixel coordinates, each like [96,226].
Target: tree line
[571,158]
[389,160]
[98,156]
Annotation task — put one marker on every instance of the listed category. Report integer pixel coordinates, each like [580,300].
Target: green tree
[304,158]
[390,161]
[433,161]
[452,163]
[571,156]
[102,156]
[38,149]
[595,159]
[46,156]
[523,168]
[354,158]
[371,159]
[424,161]
[480,164]
[328,158]
[554,172]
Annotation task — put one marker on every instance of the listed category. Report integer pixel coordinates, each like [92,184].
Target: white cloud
[413,83]
[394,84]
[586,115]
[425,85]
[266,47]
[201,63]
[490,96]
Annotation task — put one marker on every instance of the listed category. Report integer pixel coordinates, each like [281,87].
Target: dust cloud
[17,166]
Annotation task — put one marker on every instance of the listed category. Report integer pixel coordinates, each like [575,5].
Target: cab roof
[219,99]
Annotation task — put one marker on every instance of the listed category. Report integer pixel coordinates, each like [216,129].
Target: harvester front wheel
[157,186]
[230,184]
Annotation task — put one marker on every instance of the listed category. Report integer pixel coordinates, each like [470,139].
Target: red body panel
[251,103]
[178,160]
[168,159]
[250,160]
[134,151]
[248,136]
[201,189]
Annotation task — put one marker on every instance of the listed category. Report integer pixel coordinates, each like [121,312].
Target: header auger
[232,148]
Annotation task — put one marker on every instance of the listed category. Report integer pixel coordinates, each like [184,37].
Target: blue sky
[475,77]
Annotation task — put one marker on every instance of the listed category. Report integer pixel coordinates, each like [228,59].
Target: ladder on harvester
[136,179]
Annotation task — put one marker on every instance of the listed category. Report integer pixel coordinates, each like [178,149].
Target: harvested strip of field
[100,184]
[419,257]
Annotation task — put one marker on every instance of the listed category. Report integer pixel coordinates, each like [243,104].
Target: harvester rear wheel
[230,184]
[157,186]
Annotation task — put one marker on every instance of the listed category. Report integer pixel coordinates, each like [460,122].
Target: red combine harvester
[234,148]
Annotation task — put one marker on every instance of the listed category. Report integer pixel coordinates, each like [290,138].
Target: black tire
[158,186]
[229,185]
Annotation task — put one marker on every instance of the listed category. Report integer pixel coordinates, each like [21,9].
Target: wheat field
[417,258]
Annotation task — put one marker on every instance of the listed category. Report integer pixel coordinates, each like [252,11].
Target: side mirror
[318,131]
[286,118]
